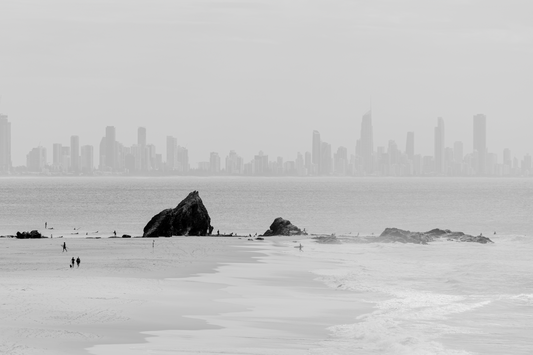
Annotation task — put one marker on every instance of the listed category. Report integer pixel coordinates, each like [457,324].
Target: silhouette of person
[45,225]
[300,247]
[65,246]
[78,261]
[153,244]
[115,233]
[72,262]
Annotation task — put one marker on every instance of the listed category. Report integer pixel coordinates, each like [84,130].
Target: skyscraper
[75,153]
[480,142]
[142,153]
[410,145]
[110,148]
[317,153]
[87,159]
[5,144]
[439,146]
[171,152]
[367,143]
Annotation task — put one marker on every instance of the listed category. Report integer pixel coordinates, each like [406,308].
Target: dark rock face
[190,217]
[391,235]
[29,235]
[282,226]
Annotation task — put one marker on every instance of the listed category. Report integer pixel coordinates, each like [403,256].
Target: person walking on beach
[153,244]
[45,225]
[72,262]
[78,261]
[64,246]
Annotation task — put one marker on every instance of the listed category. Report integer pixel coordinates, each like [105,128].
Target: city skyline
[320,160]
[258,75]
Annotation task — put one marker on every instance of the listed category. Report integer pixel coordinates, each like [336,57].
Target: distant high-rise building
[142,156]
[458,154]
[367,143]
[326,162]
[171,152]
[75,153]
[439,146]
[87,159]
[410,145]
[341,161]
[317,152]
[260,164]
[110,148]
[214,163]
[507,157]
[480,142]
[5,144]
[57,156]
[36,159]
[182,159]
[234,164]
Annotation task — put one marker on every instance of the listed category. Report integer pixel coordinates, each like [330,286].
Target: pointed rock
[190,217]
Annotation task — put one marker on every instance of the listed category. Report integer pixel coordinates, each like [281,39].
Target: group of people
[77,261]
[72,261]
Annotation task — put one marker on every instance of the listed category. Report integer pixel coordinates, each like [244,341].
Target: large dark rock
[282,226]
[391,235]
[34,234]
[190,217]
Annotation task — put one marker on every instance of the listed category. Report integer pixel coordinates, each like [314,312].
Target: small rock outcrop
[190,217]
[391,235]
[34,234]
[282,226]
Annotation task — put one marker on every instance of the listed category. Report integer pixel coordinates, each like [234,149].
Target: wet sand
[185,295]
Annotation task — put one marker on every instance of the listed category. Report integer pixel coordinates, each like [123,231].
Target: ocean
[442,298]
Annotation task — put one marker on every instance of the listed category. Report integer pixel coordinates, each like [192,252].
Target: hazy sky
[262,75]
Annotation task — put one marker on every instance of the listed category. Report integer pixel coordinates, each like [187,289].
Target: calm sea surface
[243,205]
[443,298]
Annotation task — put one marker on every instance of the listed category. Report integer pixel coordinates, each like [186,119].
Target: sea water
[442,298]
[249,205]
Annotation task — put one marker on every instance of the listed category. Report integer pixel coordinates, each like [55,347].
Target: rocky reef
[34,234]
[282,226]
[392,235]
[190,217]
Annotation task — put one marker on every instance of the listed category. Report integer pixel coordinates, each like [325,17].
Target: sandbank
[182,295]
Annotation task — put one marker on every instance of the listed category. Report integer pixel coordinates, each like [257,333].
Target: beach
[183,295]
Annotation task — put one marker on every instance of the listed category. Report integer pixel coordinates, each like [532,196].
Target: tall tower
[110,148]
[5,144]
[75,153]
[141,143]
[367,142]
[480,142]
[410,145]
[171,152]
[439,146]
[317,152]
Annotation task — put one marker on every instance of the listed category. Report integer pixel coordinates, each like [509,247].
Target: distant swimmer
[65,246]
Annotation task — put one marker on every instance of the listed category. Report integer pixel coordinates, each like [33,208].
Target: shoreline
[126,293]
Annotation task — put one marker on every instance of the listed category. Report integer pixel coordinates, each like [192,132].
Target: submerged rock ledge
[396,235]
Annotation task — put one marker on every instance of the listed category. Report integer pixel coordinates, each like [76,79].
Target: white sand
[127,297]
